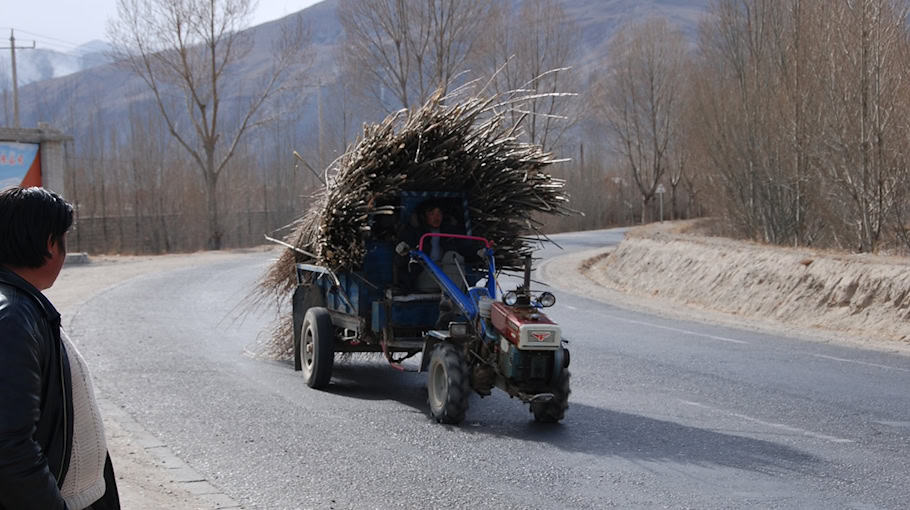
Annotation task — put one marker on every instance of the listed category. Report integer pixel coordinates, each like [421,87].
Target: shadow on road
[599,431]
[586,429]
[377,381]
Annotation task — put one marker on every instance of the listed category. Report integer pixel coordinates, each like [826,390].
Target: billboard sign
[20,164]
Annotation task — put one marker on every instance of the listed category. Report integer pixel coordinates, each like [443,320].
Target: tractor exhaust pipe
[527,285]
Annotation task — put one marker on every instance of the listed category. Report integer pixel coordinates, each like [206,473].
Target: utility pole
[12,49]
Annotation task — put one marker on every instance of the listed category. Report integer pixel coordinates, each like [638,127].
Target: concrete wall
[53,152]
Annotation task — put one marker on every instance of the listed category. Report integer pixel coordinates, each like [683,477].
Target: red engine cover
[508,320]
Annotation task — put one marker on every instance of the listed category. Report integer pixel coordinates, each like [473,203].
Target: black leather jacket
[36,403]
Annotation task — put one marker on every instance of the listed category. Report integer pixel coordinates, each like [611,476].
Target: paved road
[663,414]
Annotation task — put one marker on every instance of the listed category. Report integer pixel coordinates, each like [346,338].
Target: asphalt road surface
[663,413]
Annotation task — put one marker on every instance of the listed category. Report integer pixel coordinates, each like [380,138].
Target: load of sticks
[463,146]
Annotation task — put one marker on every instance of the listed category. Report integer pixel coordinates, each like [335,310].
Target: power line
[47,38]
[57,44]
[75,53]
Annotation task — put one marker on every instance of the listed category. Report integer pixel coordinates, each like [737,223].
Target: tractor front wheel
[554,410]
[448,384]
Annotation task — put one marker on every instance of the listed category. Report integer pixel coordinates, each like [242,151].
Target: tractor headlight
[458,329]
[510,298]
[547,300]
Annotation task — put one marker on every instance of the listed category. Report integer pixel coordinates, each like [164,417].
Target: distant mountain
[73,92]
[39,64]
[598,20]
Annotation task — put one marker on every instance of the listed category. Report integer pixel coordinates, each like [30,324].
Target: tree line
[786,119]
[194,174]
[789,116]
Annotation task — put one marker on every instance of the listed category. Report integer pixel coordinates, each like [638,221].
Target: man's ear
[55,246]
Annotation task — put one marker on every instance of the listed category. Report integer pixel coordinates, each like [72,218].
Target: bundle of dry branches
[463,147]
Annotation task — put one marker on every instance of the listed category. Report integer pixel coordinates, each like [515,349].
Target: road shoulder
[580,273]
[150,476]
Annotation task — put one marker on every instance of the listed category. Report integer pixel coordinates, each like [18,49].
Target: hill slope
[105,93]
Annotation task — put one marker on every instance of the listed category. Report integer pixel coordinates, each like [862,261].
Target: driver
[444,251]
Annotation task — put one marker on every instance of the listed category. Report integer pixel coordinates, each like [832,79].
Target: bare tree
[865,127]
[337,108]
[528,52]
[186,49]
[144,157]
[679,159]
[409,49]
[6,108]
[801,108]
[641,100]
[758,115]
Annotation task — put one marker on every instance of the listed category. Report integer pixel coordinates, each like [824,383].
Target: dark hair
[29,218]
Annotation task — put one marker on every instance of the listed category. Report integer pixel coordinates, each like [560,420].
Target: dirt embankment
[858,298]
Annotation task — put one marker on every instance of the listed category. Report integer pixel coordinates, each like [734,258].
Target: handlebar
[485,241]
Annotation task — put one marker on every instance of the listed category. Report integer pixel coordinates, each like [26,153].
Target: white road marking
[901,424]
[669,328]
[859,362]
[735,341]
[779,426]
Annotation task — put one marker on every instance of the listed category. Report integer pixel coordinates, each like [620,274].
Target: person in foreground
[53,453]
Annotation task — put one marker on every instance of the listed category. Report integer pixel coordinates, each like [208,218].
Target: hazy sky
[65,24]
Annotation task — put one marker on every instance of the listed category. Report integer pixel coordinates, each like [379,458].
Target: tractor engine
[528,343]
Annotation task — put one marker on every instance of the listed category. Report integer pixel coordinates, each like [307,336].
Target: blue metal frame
[362,292]
[467,305]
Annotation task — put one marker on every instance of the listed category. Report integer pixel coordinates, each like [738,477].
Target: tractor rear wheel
[554,410]
[448,384]
[317,347]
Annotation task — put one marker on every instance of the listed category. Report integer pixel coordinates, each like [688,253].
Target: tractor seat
[405,296]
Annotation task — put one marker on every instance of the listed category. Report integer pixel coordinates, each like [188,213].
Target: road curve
[663,413]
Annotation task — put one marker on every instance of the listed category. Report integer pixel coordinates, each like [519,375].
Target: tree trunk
[673,201]
[214,230]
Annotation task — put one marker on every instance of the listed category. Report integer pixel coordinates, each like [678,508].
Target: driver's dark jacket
[407,273]
[36,404]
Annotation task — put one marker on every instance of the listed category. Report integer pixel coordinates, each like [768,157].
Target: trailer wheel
[305,296]
[554,410]
[317,352]
[448,385]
